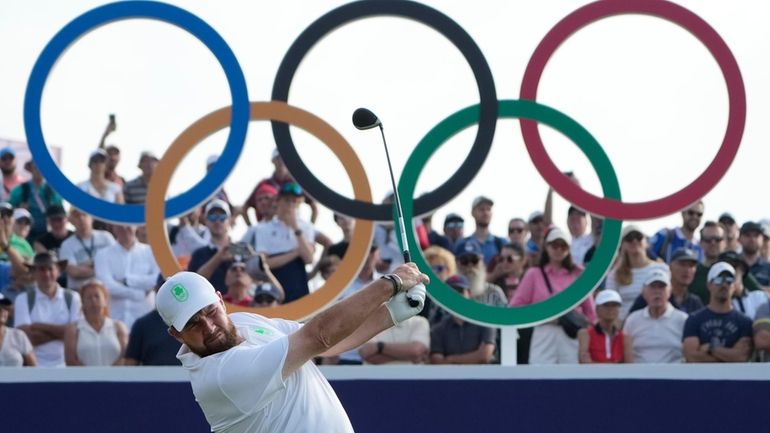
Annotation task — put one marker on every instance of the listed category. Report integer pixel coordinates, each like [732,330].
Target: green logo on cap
[180,293]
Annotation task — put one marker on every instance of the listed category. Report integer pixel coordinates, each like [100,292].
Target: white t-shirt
[656,340]
[52,311]
[579,247]
[630,292]
[750,302]
[110,192]
[97,347]
[13,348]
[78,251]
[241,390]
[415,329]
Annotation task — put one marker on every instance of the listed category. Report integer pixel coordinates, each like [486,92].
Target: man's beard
[477,282]
[8,170]
[230,340]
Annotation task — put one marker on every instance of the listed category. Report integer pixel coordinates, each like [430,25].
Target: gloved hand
[399,307]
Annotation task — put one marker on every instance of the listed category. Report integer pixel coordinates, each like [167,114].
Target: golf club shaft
[401,226]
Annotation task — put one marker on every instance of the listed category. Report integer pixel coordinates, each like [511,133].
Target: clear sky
[645,88]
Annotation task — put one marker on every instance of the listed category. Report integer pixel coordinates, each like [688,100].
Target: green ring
[593,274]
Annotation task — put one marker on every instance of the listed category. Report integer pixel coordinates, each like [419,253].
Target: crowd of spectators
[78,291]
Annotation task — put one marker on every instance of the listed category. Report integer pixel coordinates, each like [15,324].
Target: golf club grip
[407,256]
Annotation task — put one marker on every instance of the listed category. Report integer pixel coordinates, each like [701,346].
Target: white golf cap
[659,274]
[218,204]
[20,212]
[607,296]
[719,267]
[630,229]
[182,296]
[556,233]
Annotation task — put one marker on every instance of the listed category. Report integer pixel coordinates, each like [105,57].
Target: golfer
[254,374]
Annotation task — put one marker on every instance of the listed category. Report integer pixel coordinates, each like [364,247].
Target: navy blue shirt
[761,271]
[150,343]
[200,257]
[723,329]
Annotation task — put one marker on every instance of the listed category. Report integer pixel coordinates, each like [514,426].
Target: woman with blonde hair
[95,339]
[632,269]
[442,262]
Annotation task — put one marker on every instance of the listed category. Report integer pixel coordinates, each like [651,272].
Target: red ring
[611,208]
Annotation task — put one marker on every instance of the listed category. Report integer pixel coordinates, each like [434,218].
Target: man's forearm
[55,331]
[412,351]
[482,355]
[739,353]
[37,337]
[374,324]
[80,271]
[282,259]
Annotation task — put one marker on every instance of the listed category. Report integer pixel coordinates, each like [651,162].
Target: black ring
[425,15]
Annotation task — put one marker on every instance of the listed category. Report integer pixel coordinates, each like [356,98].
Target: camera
[239,251]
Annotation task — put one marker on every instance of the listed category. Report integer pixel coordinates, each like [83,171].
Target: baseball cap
[556,233]
[718,268]
[266,189]
[211,160]
[659,274]
[218,204]
[275,154]
[98,153]
[481,200]
[726,218]
[751,226]
[20,213]
[608,296]
[471,246]
[6,209]
[182,296]
[453,220]
[535,216]
[7,150]
[458,282]
[734,259]
[291,188]
[267,289]
[55,210]
[630,229]
[682,254]
[112,149]
[5,301]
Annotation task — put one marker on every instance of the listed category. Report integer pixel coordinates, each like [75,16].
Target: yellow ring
[361,238]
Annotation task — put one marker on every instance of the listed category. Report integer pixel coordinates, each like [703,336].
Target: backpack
[26,192]
[664,246]
[32,294]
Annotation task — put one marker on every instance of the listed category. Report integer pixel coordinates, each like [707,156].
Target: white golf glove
[399,307]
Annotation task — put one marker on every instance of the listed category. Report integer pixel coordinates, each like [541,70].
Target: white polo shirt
[415,329]
[656,340]
[241,390]
[275,237]
[47,310]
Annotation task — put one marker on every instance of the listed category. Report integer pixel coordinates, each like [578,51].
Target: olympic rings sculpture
[485,114]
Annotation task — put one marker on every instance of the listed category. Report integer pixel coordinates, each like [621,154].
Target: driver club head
[364,119]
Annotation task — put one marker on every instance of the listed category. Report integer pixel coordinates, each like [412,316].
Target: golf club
[364,119]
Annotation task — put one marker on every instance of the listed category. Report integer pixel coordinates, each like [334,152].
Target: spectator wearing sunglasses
[666,241]
[718,333]
[507,268]
[443,264]
[470,264]
[267,295]
[748,296]
[518,232]
[732,232]
[751,239]
[454,229]
[632,269]
[213,260]
[556,271]
[8,167]
[481,210]
[577,224]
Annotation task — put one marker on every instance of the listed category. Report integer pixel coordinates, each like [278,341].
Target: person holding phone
[213,260]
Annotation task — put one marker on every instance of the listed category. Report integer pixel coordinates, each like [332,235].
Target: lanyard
[89,251]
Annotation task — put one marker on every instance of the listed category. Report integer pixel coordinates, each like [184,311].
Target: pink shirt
[533,289]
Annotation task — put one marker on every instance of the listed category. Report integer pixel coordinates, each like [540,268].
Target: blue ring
[122,213]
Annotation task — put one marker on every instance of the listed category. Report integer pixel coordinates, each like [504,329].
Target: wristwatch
[298,232]
[380,347]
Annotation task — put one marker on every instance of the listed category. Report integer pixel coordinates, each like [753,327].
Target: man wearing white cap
[718,333]
[254,374]
[656,330]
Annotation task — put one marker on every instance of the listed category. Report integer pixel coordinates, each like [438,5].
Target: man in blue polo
[481,210]
[666,241]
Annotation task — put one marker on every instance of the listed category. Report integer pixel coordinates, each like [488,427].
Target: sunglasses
[558,245]
[24,221]
[723,279]
[263,299]
[438,268]
[8,158]
[469,260]
[634,236]
[711,239]
[511,259]
[216,217]
[515,230]
[694,213]
[454,225]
